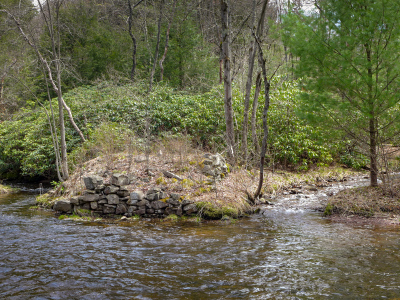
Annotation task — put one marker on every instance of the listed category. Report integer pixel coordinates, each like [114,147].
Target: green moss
[172,218]
[45,200]
[213,212]
[328,210]
[7,190]
[135,217]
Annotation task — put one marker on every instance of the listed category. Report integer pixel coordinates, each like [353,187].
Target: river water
[284,253]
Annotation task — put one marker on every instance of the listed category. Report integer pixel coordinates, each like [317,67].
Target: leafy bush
[107,112]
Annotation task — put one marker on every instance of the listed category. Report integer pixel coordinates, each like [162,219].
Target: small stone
[170,211]
[102,201]
[158,204]
[89,198]
[119,179]
[137,195]
[124,199]
[112,199]
[179,211]
[62,206]
[132,202]
[123,193]
[142,203]
[100,188]
[189,209]
[171,175]
[108,209]
[140,212]
[88,192]
[86,206]
[112,189]
[173,202]
[131,209]
[93,205]
[121,209]
[175,196]
[150,211]
[92,182]
[74,200]
[186,202]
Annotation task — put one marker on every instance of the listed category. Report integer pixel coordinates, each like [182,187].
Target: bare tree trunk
[227,80]
[166,42]
[153,70]
[256,144]
[262,63]
[252,54]
[130,20]
[265,124]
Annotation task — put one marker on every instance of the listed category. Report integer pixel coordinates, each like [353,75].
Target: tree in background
[349,61]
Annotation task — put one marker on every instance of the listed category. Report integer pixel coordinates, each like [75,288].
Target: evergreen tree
[349,60]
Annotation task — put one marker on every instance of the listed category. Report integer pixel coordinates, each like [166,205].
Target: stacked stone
[214,166]
[115,198]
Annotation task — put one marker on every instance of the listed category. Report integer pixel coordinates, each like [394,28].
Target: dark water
[283,254]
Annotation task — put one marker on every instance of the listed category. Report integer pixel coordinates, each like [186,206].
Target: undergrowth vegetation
[114,117]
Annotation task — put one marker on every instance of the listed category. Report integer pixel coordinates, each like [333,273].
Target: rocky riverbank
[156,186]
[6,189]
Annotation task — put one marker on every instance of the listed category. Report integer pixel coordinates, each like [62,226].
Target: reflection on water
[279,255]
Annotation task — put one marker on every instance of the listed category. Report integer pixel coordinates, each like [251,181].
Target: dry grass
[366,201]
[5,189]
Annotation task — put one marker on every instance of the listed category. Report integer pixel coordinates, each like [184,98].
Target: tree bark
[153,70]
[230,138]
[166,43]
[130,20]
[256,144]
[252,54]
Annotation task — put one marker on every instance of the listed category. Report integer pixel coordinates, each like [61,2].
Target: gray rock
[132,209]
[89,198]
[173,202]
[142,203]
[108,209]
[124,199]
[150,211]
[100,188]
[123,193]
[170,211]
[62,206]
[112,199]
[159,211]
[158,204]
[137,195]
[74,200]
[189,209]
[102,201]
[171,175]
[112,189]
[119,179]
[132,202]
[93,205]
[92,182]
[86,206]
[140,212]
[153,197]
[121,209]
[179,211]
[88,192]
[187,202]
[175,196]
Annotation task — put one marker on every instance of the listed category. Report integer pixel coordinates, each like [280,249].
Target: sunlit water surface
[282,254]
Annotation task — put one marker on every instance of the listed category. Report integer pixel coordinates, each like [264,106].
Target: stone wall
[116,199]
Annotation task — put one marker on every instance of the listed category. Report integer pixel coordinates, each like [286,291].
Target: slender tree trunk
[166,43]
[153,70]
[372,123]
[252,54]
[265,124]
[130,26]
[227,80]
[256,144]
